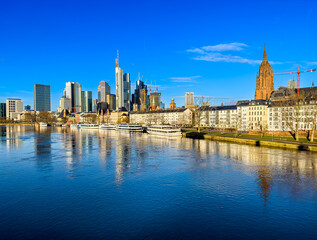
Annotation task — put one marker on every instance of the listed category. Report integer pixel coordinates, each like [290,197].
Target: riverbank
[254,141]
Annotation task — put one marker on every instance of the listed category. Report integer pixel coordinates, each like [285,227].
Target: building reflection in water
[292,169]
[13,135]
[43,148]
[125,153]
[73,148]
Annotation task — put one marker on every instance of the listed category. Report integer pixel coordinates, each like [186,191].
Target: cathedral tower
[264,80]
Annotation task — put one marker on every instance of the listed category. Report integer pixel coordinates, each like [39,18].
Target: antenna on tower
[150,86]
[155,86]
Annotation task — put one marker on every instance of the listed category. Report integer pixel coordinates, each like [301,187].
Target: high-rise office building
[86,101]
[42,97]
[292,84]
[73,92]
[139,98]
[127,91]
[94,105]
[122,88]
[65,103]
[3,110]
[13,107]
[111,100]
[27,108]
[103,91]
[189,99]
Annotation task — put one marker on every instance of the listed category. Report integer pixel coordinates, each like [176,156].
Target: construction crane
[298,76]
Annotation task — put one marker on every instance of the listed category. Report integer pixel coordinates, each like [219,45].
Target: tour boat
[74,125]
[106,126]
[89,126]
[130,127]
[164,130]
[43,124]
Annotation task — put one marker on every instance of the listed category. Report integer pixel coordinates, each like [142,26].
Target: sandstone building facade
[264,80]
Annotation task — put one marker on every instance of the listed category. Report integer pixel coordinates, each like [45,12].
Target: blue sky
[212,48]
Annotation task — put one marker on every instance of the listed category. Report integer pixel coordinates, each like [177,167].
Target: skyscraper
[140,95]
[127,91]
[94,105]
[65,103]
[86,101]
[73,92]
[111,100]
[122,88]
[103,91]
[189,99]
[264,80]
[3,110]
[42,97]
[292,84]
[13,106]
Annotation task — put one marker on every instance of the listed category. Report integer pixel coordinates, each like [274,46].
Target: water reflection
[125,154]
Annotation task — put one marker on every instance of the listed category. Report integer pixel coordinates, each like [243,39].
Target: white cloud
[312,63]
[218,57]
[184,79]
[214,53]
[225,47]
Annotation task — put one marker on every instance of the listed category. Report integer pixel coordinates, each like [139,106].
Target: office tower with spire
[103,91]
[264,80]
[123,87]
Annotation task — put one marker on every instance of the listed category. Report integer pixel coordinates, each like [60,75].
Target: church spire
[264,54]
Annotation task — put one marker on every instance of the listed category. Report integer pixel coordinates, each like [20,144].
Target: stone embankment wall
[255,142]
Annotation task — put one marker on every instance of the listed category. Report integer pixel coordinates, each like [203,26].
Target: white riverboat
[43,124]
[130,127]
[164,130]
[106,126]
[89,126]
[74,125]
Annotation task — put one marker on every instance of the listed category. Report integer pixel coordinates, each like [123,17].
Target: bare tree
[44,116]
[292,114]
[198,110]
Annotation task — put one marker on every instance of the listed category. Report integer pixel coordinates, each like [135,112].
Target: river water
[68,184]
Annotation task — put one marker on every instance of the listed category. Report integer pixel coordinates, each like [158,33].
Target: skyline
[189,49]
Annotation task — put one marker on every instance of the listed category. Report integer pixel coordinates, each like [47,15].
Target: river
[58,183]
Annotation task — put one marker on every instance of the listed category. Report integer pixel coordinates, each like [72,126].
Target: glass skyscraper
[42,97]
[2,110]
[73,92]
[86,101]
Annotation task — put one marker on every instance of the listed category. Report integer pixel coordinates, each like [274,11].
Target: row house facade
[181,116]
[285,116]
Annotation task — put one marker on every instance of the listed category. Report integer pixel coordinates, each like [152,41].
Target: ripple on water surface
[60,183]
